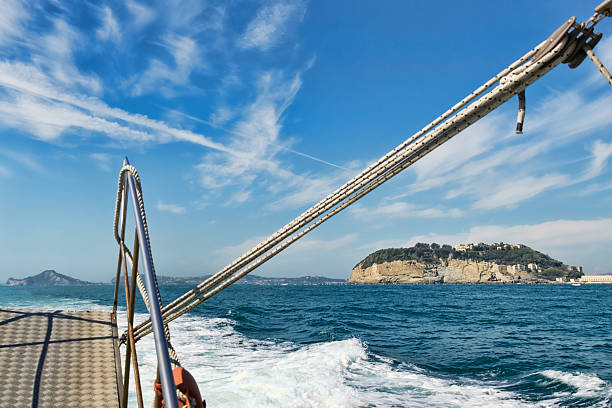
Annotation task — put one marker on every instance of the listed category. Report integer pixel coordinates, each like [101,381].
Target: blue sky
[240,115]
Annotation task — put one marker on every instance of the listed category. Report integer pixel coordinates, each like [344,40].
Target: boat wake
[235,371]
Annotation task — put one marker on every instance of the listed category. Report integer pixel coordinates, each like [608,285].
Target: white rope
[306,217]
[120,191]
[600,66]
[511,81]
[212,281]
[332,199]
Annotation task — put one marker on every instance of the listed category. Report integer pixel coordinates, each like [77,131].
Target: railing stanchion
[161,346]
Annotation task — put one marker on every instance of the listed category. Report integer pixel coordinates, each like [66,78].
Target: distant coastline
[52,278]
[253,280]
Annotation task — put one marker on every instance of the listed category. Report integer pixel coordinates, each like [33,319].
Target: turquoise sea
[381,346]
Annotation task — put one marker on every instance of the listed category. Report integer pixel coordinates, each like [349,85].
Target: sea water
[379,346]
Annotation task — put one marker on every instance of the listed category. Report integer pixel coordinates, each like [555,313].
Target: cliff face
[447,271]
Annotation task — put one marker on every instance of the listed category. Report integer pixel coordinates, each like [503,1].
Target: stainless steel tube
[161,346]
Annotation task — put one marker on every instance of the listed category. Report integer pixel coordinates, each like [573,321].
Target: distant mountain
[47,278]
[251,279]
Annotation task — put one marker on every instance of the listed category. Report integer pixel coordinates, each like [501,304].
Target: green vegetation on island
[499,253]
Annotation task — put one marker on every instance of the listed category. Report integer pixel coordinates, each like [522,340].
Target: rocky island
[472,263]
[47,278]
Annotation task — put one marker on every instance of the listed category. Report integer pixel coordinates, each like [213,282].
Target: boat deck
[58,358]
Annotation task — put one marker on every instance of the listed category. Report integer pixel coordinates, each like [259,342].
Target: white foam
[586,385]
[235,371]
[55,303]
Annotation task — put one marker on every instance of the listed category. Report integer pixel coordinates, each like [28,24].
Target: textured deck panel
[57,358]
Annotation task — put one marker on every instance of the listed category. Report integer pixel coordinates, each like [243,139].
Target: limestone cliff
[446,271]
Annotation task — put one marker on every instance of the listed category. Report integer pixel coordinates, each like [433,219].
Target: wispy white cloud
[316,245]
[50,49]
[35,103]
[184,15]
[601,152]
[55,54]
[49,120]
[558,233]
[255,133]
[268,26]
[478,139]
[303,257]
[300,190]
[239,197]
[24,159]
[102,160]
[229,252]
[12,19]
[513,191]
[255,136]
[401,209]
[172,208]
[48,97]
[221,116]
[161,76]
[109,31]
[595,188]
[493,168]
[141,15]
[304,245]
[230,80]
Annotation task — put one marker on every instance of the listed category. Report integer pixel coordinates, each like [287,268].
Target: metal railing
[142,247]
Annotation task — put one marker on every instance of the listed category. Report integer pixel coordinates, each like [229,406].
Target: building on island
[596,279]
[518,267]
[533,267]
[574,269]
[499,247]
[480,245]
[587,279]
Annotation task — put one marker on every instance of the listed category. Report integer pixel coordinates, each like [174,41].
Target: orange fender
[185,382]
